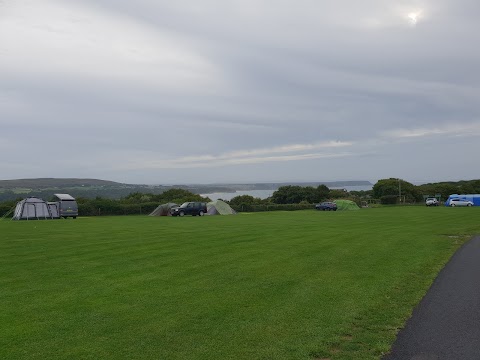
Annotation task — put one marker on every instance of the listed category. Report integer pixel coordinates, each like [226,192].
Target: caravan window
[68,204]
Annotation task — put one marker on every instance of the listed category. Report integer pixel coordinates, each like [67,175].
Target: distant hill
[275,186]
[43,183]
[53,182]
[91,188]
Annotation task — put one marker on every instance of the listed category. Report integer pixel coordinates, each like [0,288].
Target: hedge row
[146,208]
[4,209]
[272,207]
[115,208]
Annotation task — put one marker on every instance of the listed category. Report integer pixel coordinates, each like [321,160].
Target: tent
[31,208]
[163,210]
[346,205]
[54,211]
[219,207]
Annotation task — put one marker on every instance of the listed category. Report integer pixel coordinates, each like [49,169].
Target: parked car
[190,208]
[431,202]
[474,198]
[460,202]
[326,206]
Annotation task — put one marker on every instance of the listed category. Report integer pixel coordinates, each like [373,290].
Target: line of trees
[290,197]
[393,190]
[285,198]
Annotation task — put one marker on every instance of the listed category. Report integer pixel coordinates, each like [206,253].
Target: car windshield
[184,204]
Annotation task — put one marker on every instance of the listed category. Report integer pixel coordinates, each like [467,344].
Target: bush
[389,199]
[100,208]
[4,209]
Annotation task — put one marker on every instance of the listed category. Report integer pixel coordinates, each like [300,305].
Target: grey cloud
[184,79]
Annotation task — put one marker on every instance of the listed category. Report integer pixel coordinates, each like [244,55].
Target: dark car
[190,208]
[326,206]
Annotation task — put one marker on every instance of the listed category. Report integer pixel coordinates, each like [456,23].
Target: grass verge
[279,285]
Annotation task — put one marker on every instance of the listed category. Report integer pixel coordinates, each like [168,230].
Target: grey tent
[53,207]
[219,207]
[31,208]
[163,210]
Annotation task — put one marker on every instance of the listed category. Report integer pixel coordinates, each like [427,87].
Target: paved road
[446,323]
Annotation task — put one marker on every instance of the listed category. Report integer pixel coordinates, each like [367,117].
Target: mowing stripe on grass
[279,285]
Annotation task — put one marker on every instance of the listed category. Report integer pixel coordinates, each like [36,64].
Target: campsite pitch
[278,285]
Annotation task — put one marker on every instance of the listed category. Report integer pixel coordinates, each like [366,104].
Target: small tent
[54,211]
[346,205]
[163,210]
[31,208]
[219,207]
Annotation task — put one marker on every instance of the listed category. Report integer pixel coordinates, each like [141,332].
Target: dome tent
[31,208]
[219,207]
[346,205]
[163,210]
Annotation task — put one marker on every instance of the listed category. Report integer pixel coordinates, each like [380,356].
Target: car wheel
[452,205]
[181,213]
[469,205]
[200,213]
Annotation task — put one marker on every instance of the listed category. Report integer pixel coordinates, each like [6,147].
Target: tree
[396,187]
[245,200]
[178,196]
[137,197]
[323,193]
[338,194]
[295,194]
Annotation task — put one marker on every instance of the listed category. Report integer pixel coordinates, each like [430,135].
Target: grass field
[278,285]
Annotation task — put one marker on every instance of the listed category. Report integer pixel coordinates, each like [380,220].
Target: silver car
[460,202]
[431,202]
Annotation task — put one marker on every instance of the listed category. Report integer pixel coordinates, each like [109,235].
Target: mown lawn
[278,285]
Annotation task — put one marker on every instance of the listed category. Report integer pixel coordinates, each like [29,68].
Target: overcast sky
[185,91]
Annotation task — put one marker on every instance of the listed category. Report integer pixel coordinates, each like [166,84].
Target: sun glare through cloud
[414,17]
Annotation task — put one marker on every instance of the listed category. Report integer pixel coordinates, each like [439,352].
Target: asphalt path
[446,323]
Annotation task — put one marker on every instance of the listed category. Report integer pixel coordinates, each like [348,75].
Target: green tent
[219,207]
[163,210]
[346,205]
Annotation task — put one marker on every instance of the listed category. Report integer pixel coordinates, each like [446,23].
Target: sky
[235,91]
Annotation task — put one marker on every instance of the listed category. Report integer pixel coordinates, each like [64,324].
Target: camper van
[67,206]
